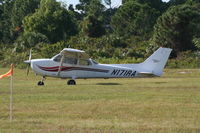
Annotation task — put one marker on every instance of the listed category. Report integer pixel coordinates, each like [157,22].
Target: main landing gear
[41,83]
[71,82]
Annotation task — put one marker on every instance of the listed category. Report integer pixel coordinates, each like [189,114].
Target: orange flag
[9,73]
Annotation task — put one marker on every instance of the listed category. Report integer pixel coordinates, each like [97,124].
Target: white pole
[11,97]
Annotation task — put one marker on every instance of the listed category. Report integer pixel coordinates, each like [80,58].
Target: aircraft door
[85,68]
[68,65]
[74,66]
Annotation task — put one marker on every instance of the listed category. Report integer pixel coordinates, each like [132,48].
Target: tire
[40,83]
[71,82]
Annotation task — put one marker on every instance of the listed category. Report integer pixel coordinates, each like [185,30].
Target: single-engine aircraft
[76,64]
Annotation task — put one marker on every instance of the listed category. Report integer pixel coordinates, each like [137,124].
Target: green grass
[169,104]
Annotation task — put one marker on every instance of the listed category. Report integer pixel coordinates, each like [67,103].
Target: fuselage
[51,68]
[74,64]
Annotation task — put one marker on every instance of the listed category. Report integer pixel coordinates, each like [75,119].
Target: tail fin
[157,61]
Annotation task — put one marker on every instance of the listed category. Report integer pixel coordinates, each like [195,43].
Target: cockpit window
[84,62]
[57,58]
[74,61]
[69,60]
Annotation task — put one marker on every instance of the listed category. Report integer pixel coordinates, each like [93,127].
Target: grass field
[169,104]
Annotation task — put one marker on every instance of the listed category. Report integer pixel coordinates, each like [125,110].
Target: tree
[133,18]
[83,6]
[177,27]
[29,40]
[93,25]
[1,13]
[20,9]
[51,20]
[176,2]
[75,14]
[192,1]
[108,13]
[5,22]
[156,4]
[109,3]
[12,13]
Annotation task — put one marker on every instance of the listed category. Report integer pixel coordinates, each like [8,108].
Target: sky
[115,3]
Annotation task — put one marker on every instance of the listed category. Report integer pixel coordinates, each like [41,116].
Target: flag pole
[11,96]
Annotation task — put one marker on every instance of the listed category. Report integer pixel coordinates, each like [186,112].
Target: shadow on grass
[160,82]
[108,84]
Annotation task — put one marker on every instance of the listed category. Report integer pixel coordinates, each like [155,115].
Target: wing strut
[60,66]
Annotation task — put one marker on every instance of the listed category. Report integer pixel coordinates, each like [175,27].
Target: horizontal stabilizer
[145,74]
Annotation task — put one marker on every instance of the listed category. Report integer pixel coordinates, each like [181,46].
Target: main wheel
[71,82]
[40,83]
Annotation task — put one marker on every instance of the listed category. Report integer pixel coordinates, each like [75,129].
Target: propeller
[28,62]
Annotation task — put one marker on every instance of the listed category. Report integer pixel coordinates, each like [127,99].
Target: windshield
[57,58]
[95,62]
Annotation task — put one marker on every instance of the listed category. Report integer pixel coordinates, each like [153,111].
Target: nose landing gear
[41,83]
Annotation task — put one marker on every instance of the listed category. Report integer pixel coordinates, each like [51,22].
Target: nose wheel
[71,82]
[41,83]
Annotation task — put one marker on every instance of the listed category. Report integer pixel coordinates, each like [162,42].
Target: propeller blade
[27,69]
[30,55]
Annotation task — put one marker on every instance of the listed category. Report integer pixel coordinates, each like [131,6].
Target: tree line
[131,31]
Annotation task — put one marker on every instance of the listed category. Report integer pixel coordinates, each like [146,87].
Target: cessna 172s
[75,64]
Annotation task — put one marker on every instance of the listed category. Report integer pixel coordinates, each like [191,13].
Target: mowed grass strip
[170,103]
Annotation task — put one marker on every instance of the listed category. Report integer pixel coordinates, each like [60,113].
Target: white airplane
[76,64]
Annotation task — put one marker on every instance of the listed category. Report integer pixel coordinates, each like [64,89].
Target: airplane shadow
[108,84]
[160,82]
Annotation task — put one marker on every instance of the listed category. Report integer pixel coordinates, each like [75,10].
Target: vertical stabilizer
[157,61]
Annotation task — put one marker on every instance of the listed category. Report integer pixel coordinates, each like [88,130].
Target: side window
[84,62]
[57,58]
[69,60]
